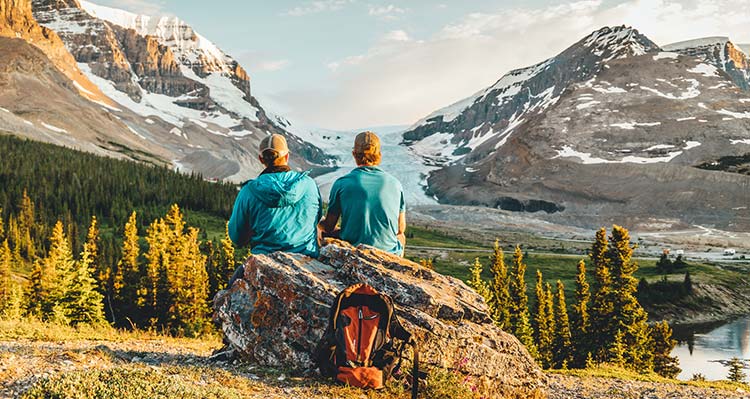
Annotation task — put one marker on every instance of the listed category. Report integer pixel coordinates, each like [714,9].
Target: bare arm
[401,235]
[328,224]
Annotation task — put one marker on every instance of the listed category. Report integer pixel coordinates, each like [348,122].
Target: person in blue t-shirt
[369,202]
[277,211]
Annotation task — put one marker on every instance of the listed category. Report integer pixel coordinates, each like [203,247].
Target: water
[699,352]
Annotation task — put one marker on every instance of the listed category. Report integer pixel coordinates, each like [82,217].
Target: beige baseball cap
[367,143]
[274,142]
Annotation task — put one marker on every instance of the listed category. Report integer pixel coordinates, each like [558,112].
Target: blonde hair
[368,158]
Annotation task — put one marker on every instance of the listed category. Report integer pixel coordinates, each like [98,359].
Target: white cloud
[314,7]
[400,81]
[272,65]
[389,12]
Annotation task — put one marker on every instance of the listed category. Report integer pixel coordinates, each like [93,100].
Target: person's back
[369,202]
[279,210]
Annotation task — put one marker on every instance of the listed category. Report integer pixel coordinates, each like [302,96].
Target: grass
[610,371]
[100,372]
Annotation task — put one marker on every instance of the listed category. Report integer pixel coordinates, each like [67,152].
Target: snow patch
[632,125]
[737,115]
[690,92]
[689,118]
[665,55]
[659,147]
[5,110]
[743,141]
[54,128]
[705,70]
[691,144]
[587,105]
[135,132]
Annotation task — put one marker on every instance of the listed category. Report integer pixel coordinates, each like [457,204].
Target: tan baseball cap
[276,143]
[367,143]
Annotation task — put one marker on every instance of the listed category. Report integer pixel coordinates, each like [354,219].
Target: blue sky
[351,63]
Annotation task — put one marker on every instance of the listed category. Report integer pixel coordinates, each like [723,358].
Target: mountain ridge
[627,113]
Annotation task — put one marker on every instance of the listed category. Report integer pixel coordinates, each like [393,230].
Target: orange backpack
[358,347]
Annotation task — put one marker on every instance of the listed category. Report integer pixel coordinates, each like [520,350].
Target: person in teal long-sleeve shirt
[277,211]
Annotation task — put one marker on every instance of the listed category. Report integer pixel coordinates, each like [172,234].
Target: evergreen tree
[93,256]
[544,332]
[2,225]
[81,302]
[736,370]
[36,294]
[617,351]
[57,269]
[688,283]
[126,279]
[581,321]
[603,329]
[628,315]
[664,364]
[500,295]
[563,346]
[153,292]
[5,276]
[519,311]
[475,280]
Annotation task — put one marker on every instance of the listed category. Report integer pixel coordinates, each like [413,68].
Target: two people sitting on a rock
[281,209]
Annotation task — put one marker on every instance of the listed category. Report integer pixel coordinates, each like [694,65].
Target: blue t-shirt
[277,212]
[369,201]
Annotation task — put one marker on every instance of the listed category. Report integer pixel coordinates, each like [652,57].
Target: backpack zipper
[359,340]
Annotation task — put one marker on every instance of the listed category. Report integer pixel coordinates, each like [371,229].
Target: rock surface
[277,313]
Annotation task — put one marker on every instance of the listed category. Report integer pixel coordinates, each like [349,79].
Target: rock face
[277,313]
[612,130]
[182,101]
[721,53]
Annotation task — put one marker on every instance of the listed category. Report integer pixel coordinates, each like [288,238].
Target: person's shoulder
[392,179]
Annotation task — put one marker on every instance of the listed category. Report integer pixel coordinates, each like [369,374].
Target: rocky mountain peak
[720,52]
[618,42]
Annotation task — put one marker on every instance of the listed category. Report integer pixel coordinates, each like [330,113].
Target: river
[699,352]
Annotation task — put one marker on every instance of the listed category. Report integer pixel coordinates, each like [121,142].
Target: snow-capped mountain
[486,119]
[171,88]
[719,52]
[613,129]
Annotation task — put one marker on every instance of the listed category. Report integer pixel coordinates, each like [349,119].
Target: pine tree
[581,321]
[475,280]
[628,314]
[688,283]
[736,373]
[194,318]
[544,332]
[5,276]
[81,302]
[153,292]
[563,347]
[93,258]
[126,279]
[664,364]
[36,294]
[616,351]
[57,270]
[602,331]
[500,296]
[2,226]
[519,310]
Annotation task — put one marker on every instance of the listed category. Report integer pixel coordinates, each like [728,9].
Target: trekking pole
[415,371]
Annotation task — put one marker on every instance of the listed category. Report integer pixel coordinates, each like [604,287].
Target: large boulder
[277,313]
